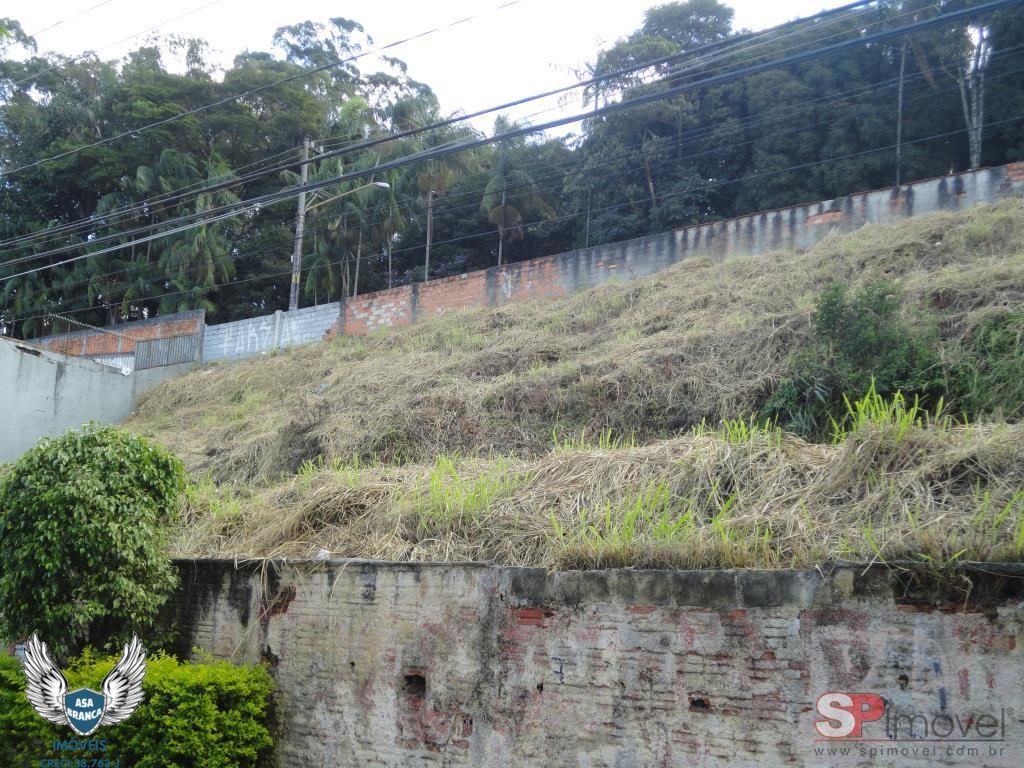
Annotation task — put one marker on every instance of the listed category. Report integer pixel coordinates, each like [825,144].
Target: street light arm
[381,184]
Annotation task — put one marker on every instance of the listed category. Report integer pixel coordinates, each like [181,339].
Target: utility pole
[899,115]
[430,232]
[587,242]
[300,223]
[359,257]
[501,227]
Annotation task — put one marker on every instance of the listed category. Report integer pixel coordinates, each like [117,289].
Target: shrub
[83,522]
[206,715]
[988,376]
[24,735]
[858,341]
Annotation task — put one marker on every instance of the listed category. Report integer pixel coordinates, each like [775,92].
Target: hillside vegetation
[630,424]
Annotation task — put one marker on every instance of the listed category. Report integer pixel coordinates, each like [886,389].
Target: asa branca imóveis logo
[84,710]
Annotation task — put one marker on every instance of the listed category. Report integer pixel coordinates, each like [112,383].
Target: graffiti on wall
[248,338]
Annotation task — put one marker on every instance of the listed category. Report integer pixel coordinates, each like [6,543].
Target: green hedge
[204,715]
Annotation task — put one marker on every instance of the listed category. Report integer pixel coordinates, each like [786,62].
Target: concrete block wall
[399,664]
[798,228]
[258,335]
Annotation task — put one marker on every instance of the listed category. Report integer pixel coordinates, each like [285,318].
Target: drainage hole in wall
[416,685]
[904,682]
[540,687]
[700,704]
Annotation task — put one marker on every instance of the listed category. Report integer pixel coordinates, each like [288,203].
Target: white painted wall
[42,393]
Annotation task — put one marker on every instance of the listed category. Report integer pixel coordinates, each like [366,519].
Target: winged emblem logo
[84,709]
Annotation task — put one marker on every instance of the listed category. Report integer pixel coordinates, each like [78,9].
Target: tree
[83,532]
[809,131]
[173,273]
[510,193]
[689,25]
[962,51]
[969,72]
[1005,86]
[432,179]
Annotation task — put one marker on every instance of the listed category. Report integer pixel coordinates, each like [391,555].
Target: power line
[473,236]
[491,233]
[71,18]
[720,79]
[734,41]
[728,43]
[775,114]
[716,184]
[203,186]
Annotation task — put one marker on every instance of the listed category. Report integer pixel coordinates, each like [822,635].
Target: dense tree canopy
[125,166]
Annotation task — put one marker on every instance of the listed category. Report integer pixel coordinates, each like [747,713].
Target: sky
[498,54]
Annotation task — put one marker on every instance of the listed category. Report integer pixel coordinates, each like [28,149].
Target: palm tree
[392,217]
[187,265]
[510,192]
[435,177]
[200,257]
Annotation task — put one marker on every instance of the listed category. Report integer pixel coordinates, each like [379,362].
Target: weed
[451,499]
[206,497]
[739,431]
[309,469]
[608,421]
[891,414]
[856,337]
[650,515]
[605,440]
[627,336]
[987,375]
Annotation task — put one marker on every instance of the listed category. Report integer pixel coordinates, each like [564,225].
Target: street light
[300,223]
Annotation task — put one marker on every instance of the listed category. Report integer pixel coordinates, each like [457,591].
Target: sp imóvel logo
[84,710]
[844,716]
[846,713]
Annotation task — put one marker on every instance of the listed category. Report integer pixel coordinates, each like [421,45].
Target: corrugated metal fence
[153,353]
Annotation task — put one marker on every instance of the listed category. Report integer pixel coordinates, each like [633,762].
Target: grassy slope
[648,360]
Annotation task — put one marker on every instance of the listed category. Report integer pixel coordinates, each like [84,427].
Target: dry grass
[641,364]
[649,358]
[934,493]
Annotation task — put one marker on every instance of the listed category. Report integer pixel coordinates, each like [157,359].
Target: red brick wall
[537,279]
[122,338]
[460,292]
[400,307]
[377,310]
